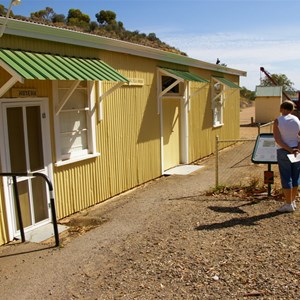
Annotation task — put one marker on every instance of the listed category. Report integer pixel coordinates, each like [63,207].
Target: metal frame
[52,203]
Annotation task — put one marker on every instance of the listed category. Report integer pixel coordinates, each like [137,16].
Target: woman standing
[286,132]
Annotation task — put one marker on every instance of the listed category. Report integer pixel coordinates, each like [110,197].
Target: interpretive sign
[265,150]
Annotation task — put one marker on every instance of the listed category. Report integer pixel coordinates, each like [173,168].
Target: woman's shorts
[289,172]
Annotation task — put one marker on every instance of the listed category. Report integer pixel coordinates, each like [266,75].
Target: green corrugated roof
[186,75]
[41,66]
[227,82]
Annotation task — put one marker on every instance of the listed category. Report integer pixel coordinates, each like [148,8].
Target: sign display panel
[265,150]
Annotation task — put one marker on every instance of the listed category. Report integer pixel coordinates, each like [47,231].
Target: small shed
[267,102]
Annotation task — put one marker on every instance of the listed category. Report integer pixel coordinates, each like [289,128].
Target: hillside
[106,26]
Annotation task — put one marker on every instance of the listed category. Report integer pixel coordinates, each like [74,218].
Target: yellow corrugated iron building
[100,116]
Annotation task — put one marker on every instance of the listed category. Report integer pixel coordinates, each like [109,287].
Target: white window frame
[218,102]
[90,117]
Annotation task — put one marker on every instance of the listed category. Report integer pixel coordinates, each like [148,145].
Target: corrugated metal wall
[200,122]
[201,132]
[128,137]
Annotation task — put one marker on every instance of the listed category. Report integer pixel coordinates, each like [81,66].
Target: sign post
[265,152]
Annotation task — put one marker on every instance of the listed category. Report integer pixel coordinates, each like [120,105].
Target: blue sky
[244,34]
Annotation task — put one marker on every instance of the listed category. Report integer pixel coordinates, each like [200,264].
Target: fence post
[217,161]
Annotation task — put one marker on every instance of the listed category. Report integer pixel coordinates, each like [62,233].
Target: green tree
[152,37]
[93,26]
[77,18]
[59,18]
[120,25]
[280,80]
[45,15]
[245,93]
[3,11]
[106,17]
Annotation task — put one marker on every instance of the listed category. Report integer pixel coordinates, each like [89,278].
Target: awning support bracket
[66,97]
[12,81]
[9,84]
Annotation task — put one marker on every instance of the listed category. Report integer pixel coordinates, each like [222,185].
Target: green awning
[227,82]
[31,65]
[186,75]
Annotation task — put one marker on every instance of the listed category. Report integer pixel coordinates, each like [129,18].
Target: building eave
[62,35]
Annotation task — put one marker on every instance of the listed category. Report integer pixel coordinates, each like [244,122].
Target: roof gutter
[61,35]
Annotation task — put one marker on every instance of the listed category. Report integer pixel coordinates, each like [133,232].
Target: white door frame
[183,119]
[5,102]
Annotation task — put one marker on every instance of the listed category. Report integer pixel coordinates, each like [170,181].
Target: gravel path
[167,239]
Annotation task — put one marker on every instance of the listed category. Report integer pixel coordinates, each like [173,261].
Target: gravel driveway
[167,239]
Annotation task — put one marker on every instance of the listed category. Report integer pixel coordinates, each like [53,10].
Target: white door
[26,139]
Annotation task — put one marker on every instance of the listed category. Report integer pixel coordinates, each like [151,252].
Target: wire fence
[233,161]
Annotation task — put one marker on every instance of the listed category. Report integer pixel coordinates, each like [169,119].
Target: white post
[217,161]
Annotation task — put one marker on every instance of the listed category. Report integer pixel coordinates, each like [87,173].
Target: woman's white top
[289,127]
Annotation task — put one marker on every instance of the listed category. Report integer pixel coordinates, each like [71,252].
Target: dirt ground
[171,238]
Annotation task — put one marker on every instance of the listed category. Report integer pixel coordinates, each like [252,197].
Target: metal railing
[262,127]
[18,206]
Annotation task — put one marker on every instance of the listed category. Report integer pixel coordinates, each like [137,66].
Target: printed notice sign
[265,150]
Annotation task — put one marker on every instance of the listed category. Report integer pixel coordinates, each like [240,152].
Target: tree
[245,93]
[45,15]
[152,36]
[281,80]
[3,11]
[77,18]
[106,17]
[59,18]
[93,26]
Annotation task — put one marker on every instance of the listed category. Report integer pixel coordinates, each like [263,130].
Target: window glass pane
[24,204]
[39,199]
[73,142]
[218,113]
[35,138]
[16,139]
[72,120]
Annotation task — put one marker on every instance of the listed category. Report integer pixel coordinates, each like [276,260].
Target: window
[217,102]
[166,81]
[75,120]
